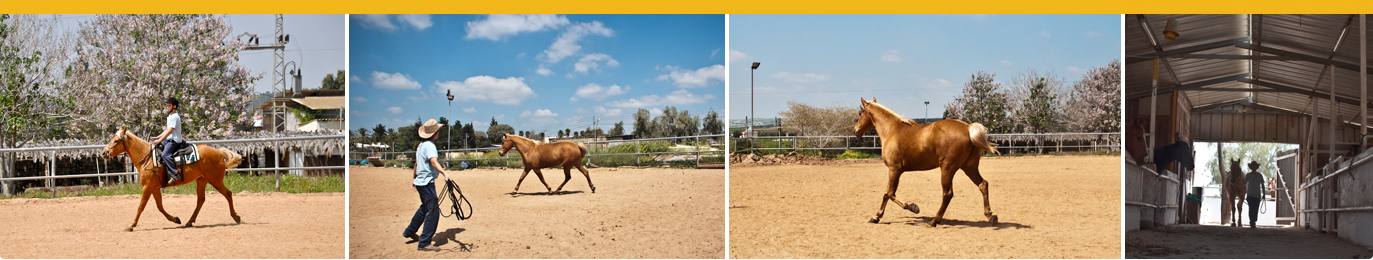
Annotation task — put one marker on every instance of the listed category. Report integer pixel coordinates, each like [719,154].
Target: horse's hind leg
[157,197]
[228,196]
[567,176]
[521,181]
[141,204]
[539,173]
[588,177]
[946,183]
[976,177]
[199,200]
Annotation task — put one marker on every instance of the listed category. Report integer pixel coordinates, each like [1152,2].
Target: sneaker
[413,238]
[429,248]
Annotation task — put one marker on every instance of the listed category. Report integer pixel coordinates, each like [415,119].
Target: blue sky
[904,60]
[541,72]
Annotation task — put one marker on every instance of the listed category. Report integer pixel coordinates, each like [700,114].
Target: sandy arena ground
[635,213]
[1219,242]
[275,225]
[1049,207]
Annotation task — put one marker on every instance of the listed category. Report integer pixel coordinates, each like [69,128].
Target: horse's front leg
[539,173]
[141,204]
[157,197]
[522,175]
[893,180]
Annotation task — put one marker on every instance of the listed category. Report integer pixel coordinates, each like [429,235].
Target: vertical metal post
[1334,119]
[276,163]
[638,151]
[52,169]
[1363,82]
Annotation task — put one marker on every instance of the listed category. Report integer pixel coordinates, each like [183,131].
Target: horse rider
[1254,183]
[426,164]
[170,139]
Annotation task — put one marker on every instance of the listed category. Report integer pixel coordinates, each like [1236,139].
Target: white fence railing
[51,153]
[1006,143]
[693,151]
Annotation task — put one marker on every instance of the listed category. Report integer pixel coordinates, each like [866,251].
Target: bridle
[123,141]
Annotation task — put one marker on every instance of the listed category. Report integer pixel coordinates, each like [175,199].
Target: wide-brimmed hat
[1253,164]
[429,128]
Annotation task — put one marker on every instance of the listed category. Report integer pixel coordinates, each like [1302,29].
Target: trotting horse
[214,162]
[538,155]
[949,145]
[1235,189]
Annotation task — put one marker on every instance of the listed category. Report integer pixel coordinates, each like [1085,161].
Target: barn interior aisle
[1224,108]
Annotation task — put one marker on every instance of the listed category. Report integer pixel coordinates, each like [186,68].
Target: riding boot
[173,175]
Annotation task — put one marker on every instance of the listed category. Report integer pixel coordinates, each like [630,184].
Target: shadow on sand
[551,193]
[924,222]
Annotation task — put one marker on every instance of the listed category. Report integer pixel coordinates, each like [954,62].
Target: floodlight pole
[751,116]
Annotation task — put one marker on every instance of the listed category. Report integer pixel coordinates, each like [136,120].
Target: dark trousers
[427,214]
[169,146]
[1253,209]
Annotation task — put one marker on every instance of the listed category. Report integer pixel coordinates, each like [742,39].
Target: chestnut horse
[213,163]
[1235,189]
[948,144]
[538,155]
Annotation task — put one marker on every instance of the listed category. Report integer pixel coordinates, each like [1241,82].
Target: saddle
[184,153]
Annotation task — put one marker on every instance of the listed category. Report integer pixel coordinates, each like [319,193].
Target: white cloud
[375,21]
[505,91]
[569,42]
[360,100]
[892,56]
[417,21]
[688,78]
[354,78]
[678,97]
[499,26]
[540,114]
[469,110]
[394,110]
[1045,34]
[594,62]
[595,91]
[943,83]
[1005,62]
[802,78]
[609,112]
[393,81]
[543,71]
[385,22]
[738,56]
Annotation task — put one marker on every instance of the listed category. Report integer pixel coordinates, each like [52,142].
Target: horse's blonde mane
[890,113]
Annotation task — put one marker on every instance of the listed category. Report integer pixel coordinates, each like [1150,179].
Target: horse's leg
[521,181]
[945,182]
[539,173]
[141,203]
[157,197]
[567,176]
[588,177]
[199,200]
[228,196]
[976,177]
[893,180]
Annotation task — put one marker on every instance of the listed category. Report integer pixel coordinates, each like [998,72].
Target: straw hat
[429,128]
[1253,165]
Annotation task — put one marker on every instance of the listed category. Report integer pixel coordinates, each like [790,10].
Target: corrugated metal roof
[1292,51]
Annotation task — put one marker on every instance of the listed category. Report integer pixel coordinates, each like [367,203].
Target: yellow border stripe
[691,6]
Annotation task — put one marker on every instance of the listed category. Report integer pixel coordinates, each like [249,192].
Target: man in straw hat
[426,164]
[1253,181]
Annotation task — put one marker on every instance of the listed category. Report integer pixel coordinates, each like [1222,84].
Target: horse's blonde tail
[231,158]
[978,135]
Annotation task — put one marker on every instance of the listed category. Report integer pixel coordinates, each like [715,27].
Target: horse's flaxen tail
[978,133]
[231,158]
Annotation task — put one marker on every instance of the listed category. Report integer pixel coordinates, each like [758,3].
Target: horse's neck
[138,149]
[525,145]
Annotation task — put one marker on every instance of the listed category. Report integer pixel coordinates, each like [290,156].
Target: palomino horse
[1180,151]
[214,162]
[907,145]
[538,155]
[1235,189]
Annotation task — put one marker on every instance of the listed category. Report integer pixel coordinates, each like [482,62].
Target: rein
[452,192]
[124,140]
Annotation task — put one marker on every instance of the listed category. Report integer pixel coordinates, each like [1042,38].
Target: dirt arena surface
[275,225]
[1219,242]
[1049,207]
[635,213]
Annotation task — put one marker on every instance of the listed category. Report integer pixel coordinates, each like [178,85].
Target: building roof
[322,102]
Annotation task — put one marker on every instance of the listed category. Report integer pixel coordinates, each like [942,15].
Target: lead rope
[452,192]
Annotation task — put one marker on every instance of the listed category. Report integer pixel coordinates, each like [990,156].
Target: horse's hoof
[176,220]
[593,189]
[913,208]
[128,229]
[237,220]
[187,225]
[992,218]
[934,223]
[873,220]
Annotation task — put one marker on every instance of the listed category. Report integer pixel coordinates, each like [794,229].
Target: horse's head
[864,122]
[1235,167]
[118,144]
[507,142]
